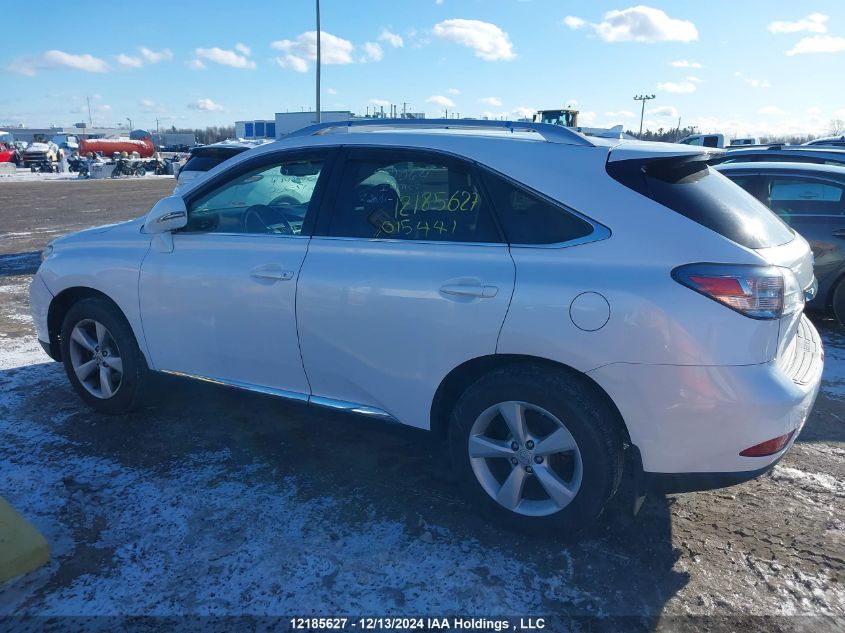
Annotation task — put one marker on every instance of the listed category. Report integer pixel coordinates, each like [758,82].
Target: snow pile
[810,482]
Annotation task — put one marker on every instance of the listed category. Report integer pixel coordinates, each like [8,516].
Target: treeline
[213,134]
[674,135]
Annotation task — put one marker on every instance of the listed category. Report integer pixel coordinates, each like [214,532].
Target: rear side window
[408,196]
[529,219]
[700,193]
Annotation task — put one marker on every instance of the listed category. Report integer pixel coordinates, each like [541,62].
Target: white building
[285,123]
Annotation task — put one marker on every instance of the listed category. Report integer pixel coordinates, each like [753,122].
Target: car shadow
[375,471]
[19,263]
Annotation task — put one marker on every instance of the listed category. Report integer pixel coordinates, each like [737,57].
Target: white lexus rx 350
[559,307]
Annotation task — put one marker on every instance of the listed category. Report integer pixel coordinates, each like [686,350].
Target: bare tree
[837,127]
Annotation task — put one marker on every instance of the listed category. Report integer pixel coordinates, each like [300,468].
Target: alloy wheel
[95,358]
[525,458]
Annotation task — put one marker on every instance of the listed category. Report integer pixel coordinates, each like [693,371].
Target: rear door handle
[839,233]
[271,271]
[466,290]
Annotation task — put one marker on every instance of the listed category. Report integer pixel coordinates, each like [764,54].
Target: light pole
[318,62]
[130,123]
[643,98]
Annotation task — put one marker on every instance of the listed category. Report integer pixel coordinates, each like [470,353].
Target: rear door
[406,278]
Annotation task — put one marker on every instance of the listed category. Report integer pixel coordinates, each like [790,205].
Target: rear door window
[407,195]
[208,160]
[789,196]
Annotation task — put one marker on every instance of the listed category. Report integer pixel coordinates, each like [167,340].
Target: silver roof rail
[551,133]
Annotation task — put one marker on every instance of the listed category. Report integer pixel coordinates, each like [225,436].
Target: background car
[828,141]
[785,153]
[204,158]
[811,199]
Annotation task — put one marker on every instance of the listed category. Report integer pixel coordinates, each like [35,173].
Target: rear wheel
[536,448]
[101,357]
[839,303]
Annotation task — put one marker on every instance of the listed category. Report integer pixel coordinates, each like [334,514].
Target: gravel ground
[217,502]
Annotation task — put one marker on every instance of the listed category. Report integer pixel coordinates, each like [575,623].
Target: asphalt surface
[212,501]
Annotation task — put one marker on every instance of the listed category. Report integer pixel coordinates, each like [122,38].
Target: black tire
[591,421]
[128,394]
[838,303]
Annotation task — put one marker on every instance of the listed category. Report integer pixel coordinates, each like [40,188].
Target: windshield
[7,138]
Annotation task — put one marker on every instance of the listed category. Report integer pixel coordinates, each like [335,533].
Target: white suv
[559,307]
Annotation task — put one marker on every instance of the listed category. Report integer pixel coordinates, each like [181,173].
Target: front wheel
[536,448]
[101,357]
[140,171]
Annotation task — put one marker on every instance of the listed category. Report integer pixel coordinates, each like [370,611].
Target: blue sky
[749,67]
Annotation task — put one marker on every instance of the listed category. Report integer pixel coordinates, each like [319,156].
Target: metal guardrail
[551,133]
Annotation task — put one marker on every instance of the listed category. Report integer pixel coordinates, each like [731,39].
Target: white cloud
[695,80]
[154,57]
[292,62]
[56,59]
[206,105]
[440,100]
[682,87]
[127,61]
[492,101]
[331,91]
[489,42]
[524,112]
[664,112]
[574,22]
[770,110]
[382,103]
[586,118]
[372,52]
[818,44]
[620,114]
[225,57]
[453,91]
[683,63]
[640,24]
[243,49]
[814,23]
[393,39]
[195,64]
[754,83]
[148,105]
[303,48]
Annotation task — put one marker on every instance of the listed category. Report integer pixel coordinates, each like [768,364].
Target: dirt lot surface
[217,502]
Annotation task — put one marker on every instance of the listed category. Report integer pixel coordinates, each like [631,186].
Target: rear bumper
[666,483]
[690,423]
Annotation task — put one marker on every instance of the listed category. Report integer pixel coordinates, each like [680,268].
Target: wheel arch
[464,375]
[63,302]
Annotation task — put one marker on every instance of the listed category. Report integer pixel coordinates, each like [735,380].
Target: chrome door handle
[462,290]
[271,271]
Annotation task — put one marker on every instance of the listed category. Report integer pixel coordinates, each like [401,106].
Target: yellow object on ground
[22,548]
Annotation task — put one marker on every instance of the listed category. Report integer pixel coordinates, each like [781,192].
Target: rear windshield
[698,192]
[209,159]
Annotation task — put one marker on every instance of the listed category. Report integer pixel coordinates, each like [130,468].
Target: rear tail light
[759,292]
[769,447]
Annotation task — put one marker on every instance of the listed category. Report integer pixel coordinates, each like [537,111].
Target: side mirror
[168,214]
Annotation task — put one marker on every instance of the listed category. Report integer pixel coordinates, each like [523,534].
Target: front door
[407,280]
[221,304]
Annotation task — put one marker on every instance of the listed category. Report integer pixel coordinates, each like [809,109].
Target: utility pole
[130,123]
[643,98]
[90,120]
[404,109]
[318,62]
